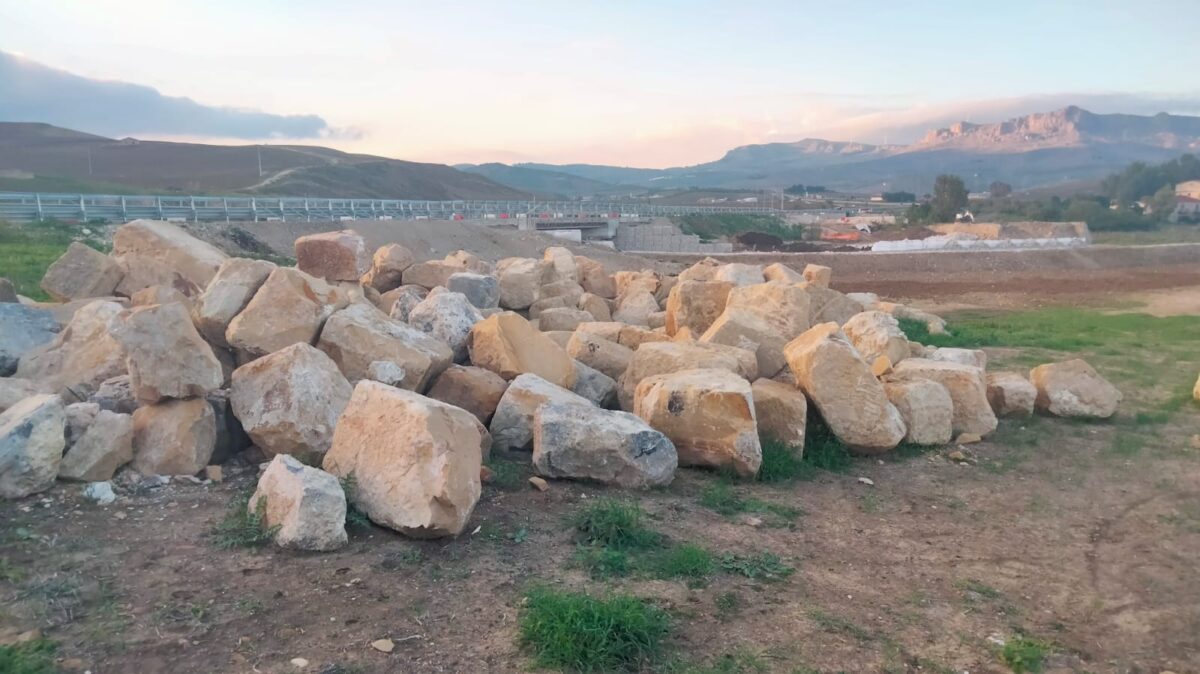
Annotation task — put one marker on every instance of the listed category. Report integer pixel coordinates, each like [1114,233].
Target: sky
[650,84]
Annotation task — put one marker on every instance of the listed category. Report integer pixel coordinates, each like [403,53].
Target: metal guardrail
[26,207]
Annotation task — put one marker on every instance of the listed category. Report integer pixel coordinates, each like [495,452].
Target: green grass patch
[728,605]
[242,527]
[507,474]
[822,449]
[711,226]
[616,524]
[687,561]
[28,657]
[782,462]
[1057,329]
[577,632]
[738,661]
[838,625]
[725,499]
[759,566]
[1023,654]
[27,251]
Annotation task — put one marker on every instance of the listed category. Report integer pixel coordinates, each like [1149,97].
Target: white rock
[100,493]
[307,504]
[32,437]
[512,423]
[448,316]
[588,443]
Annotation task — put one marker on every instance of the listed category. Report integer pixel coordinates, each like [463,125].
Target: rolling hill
[1033,151]
[545,183]
[43,157]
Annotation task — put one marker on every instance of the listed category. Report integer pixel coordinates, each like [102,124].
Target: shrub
[1023,654]
[28,657]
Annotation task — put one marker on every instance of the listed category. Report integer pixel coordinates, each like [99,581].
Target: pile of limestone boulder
[168,357]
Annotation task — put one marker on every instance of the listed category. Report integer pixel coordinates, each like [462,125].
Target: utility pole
[259,149]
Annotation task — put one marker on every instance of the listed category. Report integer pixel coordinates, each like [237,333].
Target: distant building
[1186,208]
[1190,189]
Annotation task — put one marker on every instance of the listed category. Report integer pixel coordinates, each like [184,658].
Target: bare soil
[1045,531]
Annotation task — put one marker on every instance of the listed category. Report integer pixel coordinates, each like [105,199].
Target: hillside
[543,183]
[1028,152]
[45,155]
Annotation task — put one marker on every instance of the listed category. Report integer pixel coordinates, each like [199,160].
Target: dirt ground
[1044,531]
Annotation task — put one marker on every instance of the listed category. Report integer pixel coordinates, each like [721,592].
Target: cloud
[32,92]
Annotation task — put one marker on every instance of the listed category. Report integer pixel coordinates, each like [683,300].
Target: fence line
[25,207]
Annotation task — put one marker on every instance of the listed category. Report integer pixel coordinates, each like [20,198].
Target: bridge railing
[32,206]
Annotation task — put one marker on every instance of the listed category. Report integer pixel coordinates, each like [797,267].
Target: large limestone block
[827,305]
[818,275]
[289,308]
[781,411]
[657,358]
[594,279]
[708,415]
[81,272]
[152,252]
[512,424]
[387,267]
[289,401]
[23,330]
[588,443]
[227,294]
[739,274]
[595,386]
[82,356]
[431,274]
[307,505]
[876,334]
[474,389]
[520,281]
[974,357]
[704,270]
[695,305]
[840,383]
[333,256]
[782,273]
[783,305]
[926,408]
[1010,394]
[159,295]
[481,290]
[415,460]
[470,262]
[104,446]
[606,356]
[510,346]
[1073,389]
[562,288]
[547,303]
[746,329]
[596,306]
[167,358]
[32,437]
[1196,390]
[563,319]
[562,264]
[635,308]
[398,303]
[448,316]
[174,437]
[14,390]
[967,385]
[361,335]
[634,281]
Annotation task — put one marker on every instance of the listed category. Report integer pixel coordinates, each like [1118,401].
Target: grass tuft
[243,527]
[764,566]
[28,657]
[1023,654]
[615,524]
[355,518]
[782,463]
[577,632]
[726,500]
[822,449]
